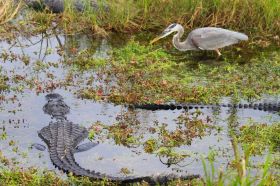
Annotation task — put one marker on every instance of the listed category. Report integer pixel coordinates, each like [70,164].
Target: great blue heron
[207,38]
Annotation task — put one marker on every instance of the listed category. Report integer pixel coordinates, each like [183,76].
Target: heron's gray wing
[213,39]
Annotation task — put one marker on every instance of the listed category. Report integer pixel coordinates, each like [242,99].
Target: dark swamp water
[22,116]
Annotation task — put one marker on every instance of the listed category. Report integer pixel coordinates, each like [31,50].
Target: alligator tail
[62,137]
[77,170]
[68,164]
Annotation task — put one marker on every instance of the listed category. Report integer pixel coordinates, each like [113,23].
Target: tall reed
[252,16]
[8,10]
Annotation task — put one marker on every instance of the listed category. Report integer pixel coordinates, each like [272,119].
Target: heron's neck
[181,45]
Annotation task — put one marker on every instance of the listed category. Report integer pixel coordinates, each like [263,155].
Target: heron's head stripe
[172,25]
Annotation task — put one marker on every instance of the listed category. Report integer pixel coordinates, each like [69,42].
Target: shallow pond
[38,65]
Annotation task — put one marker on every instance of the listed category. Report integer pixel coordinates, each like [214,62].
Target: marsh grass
[258,17]
[145,74]
[233,176]
[244,147]
[34,177]
[257,137]
[8,10]
[244,15]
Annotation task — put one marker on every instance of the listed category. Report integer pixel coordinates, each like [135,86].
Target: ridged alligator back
[61,138]
[271,107]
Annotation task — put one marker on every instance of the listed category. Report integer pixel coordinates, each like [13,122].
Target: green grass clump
[257,17]
[28,177]
[259,137]
[8,10]
[35,177]
[143,74]
[3,82]
[84,61]
[235,176]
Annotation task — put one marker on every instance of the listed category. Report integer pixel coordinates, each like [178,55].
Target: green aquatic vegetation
[250,81]
[256,137]
[188,127]
[40,66]
[123,135]
[89,93]
[143,74]
[162,141]
[3,82]
[85,61]
[125,130]
[126,171]
[174,157]
[33,177]
[3,135]
[4,160]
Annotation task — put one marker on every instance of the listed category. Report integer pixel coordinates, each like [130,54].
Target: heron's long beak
[164,34]
[155,40]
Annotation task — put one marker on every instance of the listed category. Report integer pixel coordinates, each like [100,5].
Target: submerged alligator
[62,138]
[270,107]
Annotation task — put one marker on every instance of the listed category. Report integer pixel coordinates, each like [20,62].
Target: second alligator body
[270,107]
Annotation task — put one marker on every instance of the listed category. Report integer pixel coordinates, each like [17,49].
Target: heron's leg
[218,52]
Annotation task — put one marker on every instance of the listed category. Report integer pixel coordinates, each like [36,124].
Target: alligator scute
[269,107]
